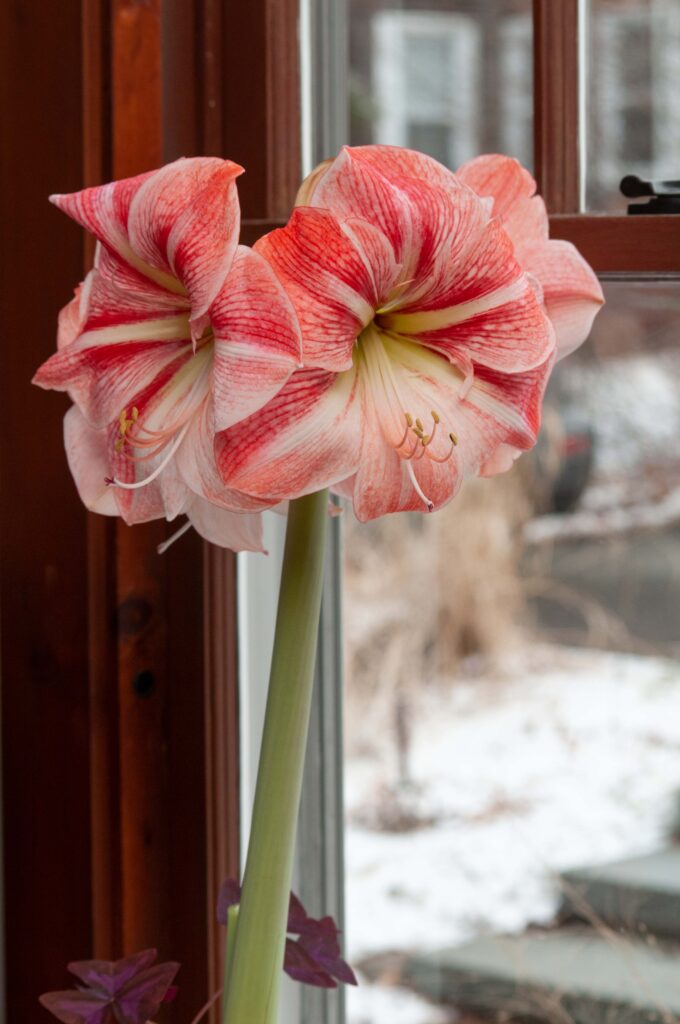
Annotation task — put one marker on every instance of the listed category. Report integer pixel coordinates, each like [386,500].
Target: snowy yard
[569,757]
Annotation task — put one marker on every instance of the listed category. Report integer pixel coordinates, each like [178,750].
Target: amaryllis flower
[314,958]
[426,345]
[127,991]
[176,334]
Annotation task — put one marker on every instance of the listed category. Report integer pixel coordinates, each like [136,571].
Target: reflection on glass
[632,96]
[513,714]
[452,79]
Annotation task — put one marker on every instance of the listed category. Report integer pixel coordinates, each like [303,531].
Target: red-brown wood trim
[263,80]
[43,557]
[137,145]
[101,531]
[638,244]
[556,103]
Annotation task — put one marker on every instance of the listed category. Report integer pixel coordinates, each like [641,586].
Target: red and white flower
[175,335]
[426,344]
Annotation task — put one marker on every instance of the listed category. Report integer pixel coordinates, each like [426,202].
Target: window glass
[452,79]
[513,713]
[633,115]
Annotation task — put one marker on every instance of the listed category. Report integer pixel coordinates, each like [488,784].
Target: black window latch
[664,196]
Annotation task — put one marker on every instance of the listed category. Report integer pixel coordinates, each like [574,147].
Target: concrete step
[640,895]
[569,976]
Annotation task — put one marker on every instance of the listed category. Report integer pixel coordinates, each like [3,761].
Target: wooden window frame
[612,244]
[119,668]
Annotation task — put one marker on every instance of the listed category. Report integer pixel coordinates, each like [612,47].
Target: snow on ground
[570,757]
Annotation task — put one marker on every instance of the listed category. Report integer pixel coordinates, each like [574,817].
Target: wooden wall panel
[43,550]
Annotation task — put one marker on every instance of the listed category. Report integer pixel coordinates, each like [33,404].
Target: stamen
[417,488]
[436,420]
[409,424]
[413,451]
[159,468]
[445,458]
[162,548]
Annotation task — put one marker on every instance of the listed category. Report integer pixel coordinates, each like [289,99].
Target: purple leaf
[314,959]
[297,915]
[128,991]
[300,967]
[74,1007]
[320,942]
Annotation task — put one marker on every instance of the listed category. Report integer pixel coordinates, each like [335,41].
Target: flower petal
[513,191]
[105,375]
[353,189]
[498,409]
[104,210]
[513,401]
[416,215]
[502,460]
[87,451]
[238,531]
[406,163]
[119,294]
[487,310]
[177,226]
[307,437]
[71,316]
[327,281]
[257,339]
[185,219]
[571,291]
[196,464]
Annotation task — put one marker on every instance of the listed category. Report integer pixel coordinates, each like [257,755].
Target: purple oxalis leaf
[314,958]
[300,966]
[320,942]
[128,991]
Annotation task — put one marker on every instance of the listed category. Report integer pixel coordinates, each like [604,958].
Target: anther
[453,439]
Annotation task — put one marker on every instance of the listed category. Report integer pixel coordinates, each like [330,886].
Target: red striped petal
[257,339]
[185,219]
[572,293]
[233,530]
[177,226]
[306,438]
[328,282]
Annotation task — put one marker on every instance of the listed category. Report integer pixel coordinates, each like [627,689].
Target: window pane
[513,713]
[632,96]
[453,79]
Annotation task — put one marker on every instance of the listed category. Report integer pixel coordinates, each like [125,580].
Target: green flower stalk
[252,989]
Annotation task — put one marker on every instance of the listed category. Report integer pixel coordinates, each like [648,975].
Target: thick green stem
[256,969]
